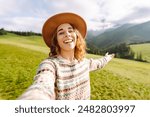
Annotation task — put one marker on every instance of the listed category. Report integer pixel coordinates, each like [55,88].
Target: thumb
[106,54]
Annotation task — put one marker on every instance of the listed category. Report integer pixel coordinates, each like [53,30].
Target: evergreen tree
[2,31]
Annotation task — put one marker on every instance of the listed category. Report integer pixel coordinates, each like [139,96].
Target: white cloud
[118,9]
[23,24]
[6,7]
[99,14]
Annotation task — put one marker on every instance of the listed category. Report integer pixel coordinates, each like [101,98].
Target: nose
[67,34]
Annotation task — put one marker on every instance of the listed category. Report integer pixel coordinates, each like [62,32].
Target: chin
[69,48]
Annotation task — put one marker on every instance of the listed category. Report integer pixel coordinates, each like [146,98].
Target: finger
[106,54]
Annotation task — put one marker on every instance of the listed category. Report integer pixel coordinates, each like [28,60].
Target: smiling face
[66,37]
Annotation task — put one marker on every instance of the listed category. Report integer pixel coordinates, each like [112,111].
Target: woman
[65,74]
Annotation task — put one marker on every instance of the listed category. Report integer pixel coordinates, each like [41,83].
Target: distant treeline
[22,33]
[121,51]
[139,42]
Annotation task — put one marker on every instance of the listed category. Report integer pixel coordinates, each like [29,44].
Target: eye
[60,33]
[70,31]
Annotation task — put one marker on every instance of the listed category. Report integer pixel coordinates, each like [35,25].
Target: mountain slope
[127,33]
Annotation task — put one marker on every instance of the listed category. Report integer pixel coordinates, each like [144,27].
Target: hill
[127,33]
[143,49]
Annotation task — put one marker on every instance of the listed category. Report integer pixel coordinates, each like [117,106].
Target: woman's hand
[109,56]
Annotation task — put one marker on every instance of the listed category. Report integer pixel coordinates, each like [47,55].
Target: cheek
[76,38]
[59,37]
[60,42]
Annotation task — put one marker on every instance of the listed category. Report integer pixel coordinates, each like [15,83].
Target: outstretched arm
[43,86]
[100,63]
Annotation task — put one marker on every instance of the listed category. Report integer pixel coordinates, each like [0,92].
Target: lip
[68,41]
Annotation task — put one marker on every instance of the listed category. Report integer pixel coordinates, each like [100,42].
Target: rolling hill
[127,33]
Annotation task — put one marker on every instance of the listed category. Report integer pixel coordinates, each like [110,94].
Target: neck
[68,55]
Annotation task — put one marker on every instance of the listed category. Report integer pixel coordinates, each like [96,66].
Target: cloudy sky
[29,15]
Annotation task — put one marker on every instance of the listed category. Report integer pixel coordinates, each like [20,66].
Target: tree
[121,51]
[139,57]
[2,31]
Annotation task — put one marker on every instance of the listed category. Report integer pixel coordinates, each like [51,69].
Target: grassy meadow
[142,48]
[20,57]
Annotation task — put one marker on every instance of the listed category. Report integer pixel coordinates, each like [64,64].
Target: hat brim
[53,22]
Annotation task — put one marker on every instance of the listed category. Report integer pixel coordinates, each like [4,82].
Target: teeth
[68,41]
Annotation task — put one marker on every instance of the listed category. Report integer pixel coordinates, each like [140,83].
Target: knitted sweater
[59,79]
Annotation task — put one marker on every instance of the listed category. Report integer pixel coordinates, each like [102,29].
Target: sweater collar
[63,60]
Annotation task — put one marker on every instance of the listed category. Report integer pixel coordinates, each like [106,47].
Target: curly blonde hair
[80,48]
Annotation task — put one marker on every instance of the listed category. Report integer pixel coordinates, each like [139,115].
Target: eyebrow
[62,29]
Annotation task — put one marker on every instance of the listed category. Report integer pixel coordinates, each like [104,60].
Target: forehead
[63,26]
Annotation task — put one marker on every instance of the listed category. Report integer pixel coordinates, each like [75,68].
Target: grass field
[20,57]
[142,48]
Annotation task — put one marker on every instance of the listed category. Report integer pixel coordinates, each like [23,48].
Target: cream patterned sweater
[58,79]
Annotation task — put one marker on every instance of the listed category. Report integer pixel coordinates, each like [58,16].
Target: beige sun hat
[53,22]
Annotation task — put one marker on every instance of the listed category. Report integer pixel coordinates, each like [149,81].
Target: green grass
[121,79]
[17,68]
[20,57]
[138,72]
[30,40]
[142,48]
[106,85]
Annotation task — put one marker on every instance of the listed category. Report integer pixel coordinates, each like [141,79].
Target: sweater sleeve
[44,83]
[95,64]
